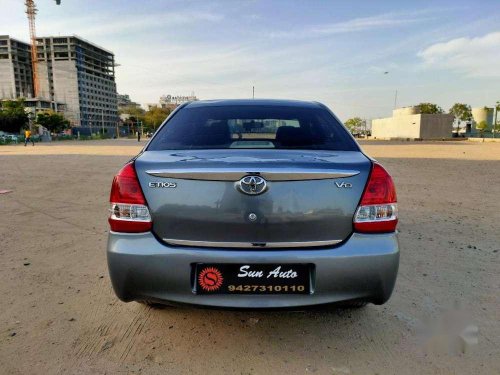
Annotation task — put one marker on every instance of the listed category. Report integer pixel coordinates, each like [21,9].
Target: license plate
[223,278]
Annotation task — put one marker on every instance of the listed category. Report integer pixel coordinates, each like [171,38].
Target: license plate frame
[252,278]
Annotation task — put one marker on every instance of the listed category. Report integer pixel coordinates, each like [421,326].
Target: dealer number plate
[223,278]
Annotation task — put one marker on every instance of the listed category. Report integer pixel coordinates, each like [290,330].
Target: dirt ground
[59,313]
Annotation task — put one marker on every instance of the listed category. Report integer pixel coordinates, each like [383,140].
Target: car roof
[253,102]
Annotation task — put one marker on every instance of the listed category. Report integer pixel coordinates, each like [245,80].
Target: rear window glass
[272,127]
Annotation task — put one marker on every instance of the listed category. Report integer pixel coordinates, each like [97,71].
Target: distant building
[124,101]
[482,114]
[16,78]
[462,128]
[408,122]
[170,99]
[82,75]
[171,102]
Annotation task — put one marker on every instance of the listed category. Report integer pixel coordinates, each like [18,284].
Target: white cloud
[379,21]
[473,57]
[364,23]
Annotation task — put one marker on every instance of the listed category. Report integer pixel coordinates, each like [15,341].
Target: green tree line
[13,118]
[150,119]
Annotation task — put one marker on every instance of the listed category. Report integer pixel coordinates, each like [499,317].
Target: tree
[462,112]
[13,117]
[429,108]
[482,126]
[135,115]
[354,124]
[155,116]
[53,121]
[133,111]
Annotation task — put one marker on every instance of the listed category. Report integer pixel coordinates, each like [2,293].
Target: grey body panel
[298,208]
[362,267]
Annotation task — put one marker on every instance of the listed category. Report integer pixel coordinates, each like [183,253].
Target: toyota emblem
[252,185]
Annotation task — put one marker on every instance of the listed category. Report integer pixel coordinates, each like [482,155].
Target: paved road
[59,313]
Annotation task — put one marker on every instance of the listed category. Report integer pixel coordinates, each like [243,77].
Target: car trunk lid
[196,197]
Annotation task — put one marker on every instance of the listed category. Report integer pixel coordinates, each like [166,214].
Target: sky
[351,55]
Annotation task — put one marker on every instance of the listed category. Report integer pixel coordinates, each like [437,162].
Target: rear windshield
[271,127]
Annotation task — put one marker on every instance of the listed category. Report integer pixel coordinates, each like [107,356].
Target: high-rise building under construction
[80,74]
[16,79]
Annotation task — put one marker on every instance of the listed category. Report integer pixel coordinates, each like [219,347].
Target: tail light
[129,211]
[378,210]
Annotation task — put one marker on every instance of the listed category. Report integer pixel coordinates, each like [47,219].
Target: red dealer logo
[210,279]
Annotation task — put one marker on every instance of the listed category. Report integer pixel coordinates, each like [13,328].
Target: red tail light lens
[378,210]
[129,212]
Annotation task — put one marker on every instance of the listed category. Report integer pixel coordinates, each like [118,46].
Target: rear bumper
[363,267]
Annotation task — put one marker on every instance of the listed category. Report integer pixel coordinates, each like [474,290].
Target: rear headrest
[292,136]
[216,133]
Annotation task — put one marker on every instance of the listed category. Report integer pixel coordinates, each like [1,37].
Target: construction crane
[31,12]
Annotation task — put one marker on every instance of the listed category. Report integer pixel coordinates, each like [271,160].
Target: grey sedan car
[253,204]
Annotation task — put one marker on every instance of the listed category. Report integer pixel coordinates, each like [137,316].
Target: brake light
[378,210]
[129,211]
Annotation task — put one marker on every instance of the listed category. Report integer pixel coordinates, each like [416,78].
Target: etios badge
[162,185]
[252,185]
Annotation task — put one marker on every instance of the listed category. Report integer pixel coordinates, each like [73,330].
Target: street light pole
[90,117]
[395,94]
[30,121]
[102,120]
[497,107]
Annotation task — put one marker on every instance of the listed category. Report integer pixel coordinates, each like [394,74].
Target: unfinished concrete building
[81,75]
[124,101]
[409,123]
[16,79]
